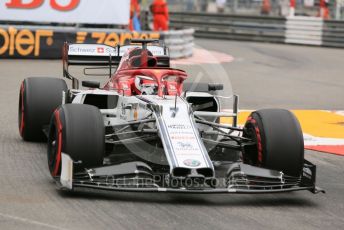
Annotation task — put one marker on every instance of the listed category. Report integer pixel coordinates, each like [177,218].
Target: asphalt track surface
[264,75]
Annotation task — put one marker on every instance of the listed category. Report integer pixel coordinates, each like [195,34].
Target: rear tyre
[279,140]
[38,98]
[77,130]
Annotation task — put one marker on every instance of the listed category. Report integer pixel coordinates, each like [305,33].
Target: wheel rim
[52,148]
[253,154]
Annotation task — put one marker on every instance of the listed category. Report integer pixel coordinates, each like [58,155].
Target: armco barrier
[45,42]
[304,30]
[235,27]
[333,33]
[293,30]
[180,42]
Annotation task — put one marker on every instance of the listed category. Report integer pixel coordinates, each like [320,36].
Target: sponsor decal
[89,49]
[34,4]
[172,87]
[125,86]
[135,112]
[66,11]
[180,127]
[82,50]
[14,42]
[307,173]
[191,163]
[155,50]
[186,147]
[182,137]
[100,50]
[181,132]
[113,39]
[47,43]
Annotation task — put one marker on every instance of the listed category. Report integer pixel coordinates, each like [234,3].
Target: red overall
[159,10]
[324,9]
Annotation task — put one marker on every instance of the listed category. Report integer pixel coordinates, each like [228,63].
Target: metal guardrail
[235,27]
[333,33]
[180,42]
[304,30]
[295,30]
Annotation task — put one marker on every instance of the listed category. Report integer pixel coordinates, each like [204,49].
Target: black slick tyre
[38,98]
[279,141]
[76,130]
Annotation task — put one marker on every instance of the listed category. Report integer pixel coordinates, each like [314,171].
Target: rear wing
[104,55]
[90,54]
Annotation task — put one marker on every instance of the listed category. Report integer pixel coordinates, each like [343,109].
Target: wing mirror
[215,86]
[91,84]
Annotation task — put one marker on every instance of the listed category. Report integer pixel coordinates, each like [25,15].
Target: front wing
[137,177]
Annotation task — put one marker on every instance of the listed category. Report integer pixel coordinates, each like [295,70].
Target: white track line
[30,221]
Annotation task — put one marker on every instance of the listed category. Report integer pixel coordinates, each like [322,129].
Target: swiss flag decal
[100,50]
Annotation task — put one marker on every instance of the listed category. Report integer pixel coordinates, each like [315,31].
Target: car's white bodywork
[174,122]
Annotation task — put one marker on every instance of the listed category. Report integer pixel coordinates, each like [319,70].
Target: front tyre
[76,130]
[279,141]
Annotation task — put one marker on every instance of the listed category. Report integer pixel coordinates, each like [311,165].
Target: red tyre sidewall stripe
[259,140]
[22,124]
[59,142]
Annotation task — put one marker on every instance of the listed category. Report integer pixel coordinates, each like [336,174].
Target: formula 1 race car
[146,131]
